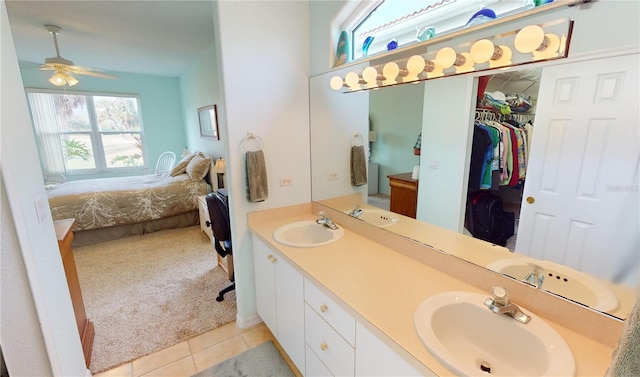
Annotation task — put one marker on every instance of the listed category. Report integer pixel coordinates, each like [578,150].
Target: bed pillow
[198,167]
[181,167]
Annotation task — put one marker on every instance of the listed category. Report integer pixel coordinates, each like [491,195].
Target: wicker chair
[165,162]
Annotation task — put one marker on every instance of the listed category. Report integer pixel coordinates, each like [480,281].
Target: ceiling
[151,37]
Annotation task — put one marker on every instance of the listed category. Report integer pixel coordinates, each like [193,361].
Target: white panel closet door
[583,171]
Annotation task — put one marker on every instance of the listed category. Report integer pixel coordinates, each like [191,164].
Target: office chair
[165,162]
[218,206]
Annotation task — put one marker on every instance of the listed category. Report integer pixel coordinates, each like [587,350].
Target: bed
[110,208]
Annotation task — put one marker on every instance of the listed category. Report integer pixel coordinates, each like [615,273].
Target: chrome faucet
[324,220]
[500,303]
[356,211]
[536,276]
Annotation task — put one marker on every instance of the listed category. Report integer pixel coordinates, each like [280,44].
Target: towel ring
[251,137]
[354,140]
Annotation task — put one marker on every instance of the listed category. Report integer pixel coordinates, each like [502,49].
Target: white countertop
[384,287]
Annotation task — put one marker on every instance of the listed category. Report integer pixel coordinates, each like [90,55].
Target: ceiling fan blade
[79,68]
[96,74]
[65,66]
[46,67]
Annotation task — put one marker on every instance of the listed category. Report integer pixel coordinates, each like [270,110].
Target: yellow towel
[257,187]
[358,166]
[625,360]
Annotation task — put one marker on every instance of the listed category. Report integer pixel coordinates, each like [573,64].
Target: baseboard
[245,323]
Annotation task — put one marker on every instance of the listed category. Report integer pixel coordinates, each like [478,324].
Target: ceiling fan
[63,68]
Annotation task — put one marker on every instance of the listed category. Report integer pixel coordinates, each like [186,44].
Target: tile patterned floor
[199,353]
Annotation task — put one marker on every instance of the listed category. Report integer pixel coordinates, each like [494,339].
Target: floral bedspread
[104,202]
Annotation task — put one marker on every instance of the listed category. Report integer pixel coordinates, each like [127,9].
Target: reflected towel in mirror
[257,188]
[358,166]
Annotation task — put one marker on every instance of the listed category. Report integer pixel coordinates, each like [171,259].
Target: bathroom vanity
[349,306]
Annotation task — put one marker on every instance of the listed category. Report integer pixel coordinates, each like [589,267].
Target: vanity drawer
[331,312]
[314,366]
[334,352]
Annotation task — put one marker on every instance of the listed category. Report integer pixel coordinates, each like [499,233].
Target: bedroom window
[86,133]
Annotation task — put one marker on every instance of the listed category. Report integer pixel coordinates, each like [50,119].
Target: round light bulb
[446,57]
[370,76]
[436,72]
[336,83]
[353,80]
[390,73]
[550,49]
[529,39]
[482,51]
[415,66]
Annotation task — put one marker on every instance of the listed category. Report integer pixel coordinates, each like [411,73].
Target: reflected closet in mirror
[593,160]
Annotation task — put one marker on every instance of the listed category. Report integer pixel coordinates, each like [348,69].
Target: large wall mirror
[575,213]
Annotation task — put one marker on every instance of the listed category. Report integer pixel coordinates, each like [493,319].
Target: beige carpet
[146,293]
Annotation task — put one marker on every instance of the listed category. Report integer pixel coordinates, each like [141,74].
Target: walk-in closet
[503,127]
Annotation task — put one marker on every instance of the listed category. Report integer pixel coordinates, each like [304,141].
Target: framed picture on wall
[208,117]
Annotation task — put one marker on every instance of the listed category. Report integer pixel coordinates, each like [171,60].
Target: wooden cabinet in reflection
[85,326]
[404,194]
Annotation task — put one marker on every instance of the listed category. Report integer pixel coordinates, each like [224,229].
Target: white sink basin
[469,339]
[561,280]
[378,217]
[306,234]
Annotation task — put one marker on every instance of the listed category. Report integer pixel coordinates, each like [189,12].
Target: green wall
[160,104]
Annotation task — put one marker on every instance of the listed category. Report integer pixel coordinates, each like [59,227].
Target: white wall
[17,309]
[334,119]
[199,87]
[36,240]
[323,36]
[446,140]
[263,60]
[396,115]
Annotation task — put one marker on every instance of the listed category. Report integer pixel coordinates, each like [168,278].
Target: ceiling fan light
[71,81]
[58,79]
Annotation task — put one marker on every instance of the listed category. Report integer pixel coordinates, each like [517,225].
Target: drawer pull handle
[271,258]
[324,346]
[323,308]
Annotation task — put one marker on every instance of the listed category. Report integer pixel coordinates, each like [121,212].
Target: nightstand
[404,194]
[204,216]
[204,219]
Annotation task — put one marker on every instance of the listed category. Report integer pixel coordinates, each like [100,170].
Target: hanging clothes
[504,161]
[480,148]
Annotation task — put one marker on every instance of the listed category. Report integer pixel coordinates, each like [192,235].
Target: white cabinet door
[280,300]
[290,310]
[265,284]
[375,358]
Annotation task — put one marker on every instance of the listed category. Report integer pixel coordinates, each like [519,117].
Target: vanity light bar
[547,41]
